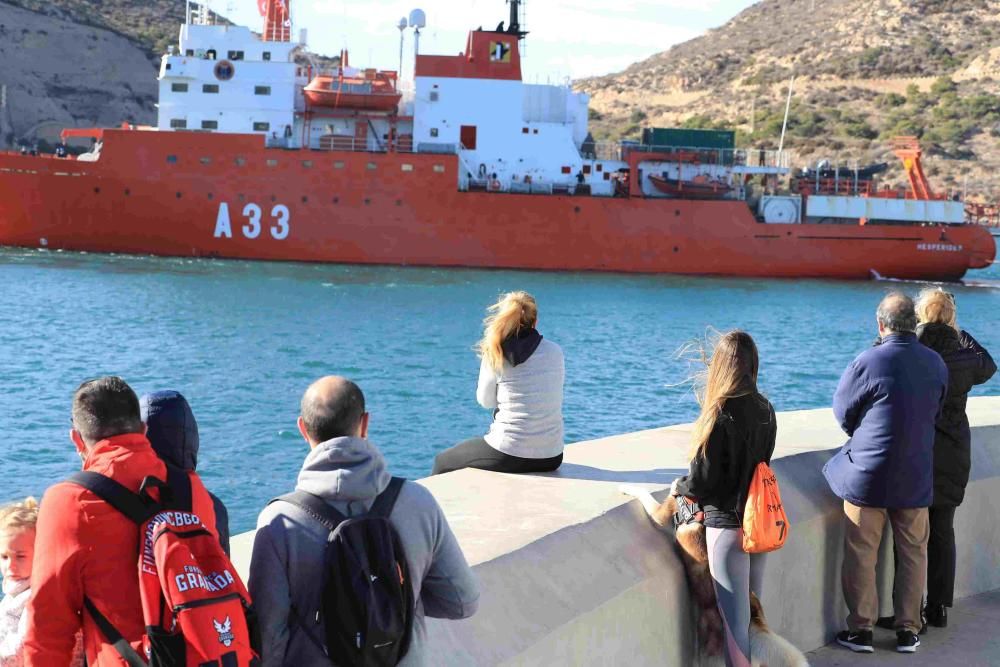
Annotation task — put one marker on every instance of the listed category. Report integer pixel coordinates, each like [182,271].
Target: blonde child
[17,548]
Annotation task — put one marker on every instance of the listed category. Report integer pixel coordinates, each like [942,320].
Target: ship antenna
[418,20]
[515,25]
[784,125]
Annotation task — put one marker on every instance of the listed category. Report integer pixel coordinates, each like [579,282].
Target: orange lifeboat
[367,89]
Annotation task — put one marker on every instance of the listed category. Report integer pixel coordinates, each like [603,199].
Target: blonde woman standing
[521,380]
[968,364]
[735,431]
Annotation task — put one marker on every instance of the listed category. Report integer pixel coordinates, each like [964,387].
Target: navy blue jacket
[173,432]
[887,402]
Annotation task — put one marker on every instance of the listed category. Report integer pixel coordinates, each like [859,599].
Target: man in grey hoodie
[348,472]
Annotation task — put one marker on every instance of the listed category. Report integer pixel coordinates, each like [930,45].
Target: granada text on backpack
[196,609]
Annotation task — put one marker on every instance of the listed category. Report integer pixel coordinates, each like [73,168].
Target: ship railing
[728,157]
[352,144]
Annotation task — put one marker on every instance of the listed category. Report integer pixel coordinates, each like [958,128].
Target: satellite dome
[418,19]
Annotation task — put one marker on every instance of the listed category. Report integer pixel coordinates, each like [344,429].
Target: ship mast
[277,20]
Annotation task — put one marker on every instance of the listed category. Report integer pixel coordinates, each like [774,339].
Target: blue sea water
[242,340]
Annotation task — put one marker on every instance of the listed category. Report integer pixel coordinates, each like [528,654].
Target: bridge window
[307,164]
[338,164]
[189,53]
[236,55]
[262,90]
[267,56]
[439,169]
[206,160]
[407,167]
[210,125]
[586,168]
[178,87]
[434,131]
[210,88]
[261,127]
[178,124]
[524,130]
[567,170]
[372,166]
[434,96]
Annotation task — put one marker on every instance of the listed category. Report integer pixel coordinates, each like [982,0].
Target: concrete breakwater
[572,572]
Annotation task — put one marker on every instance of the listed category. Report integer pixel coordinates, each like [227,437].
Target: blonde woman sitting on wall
[521,379]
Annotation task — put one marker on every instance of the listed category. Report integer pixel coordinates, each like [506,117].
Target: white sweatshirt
[528,400]
[13,622]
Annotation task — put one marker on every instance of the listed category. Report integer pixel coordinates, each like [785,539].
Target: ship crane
[907,149]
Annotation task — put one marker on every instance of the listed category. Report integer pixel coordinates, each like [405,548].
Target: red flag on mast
[262,7]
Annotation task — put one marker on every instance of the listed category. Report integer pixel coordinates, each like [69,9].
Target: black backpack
[366,609]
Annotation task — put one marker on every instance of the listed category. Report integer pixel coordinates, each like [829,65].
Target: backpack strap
[110,632]
[134,506]
[315,507]
[386,500]
[181,495]
[138,509]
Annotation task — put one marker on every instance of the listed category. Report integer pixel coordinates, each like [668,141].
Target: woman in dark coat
[968,364]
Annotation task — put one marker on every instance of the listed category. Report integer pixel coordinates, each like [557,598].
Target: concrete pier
[572,572]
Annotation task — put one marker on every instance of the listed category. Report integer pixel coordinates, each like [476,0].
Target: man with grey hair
[887,401]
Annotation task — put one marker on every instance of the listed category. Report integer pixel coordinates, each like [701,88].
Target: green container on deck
[688,138]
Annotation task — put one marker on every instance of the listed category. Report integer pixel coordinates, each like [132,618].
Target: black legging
[477,453]
[941,556]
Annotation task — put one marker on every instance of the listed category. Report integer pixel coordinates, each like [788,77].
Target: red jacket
[83,546]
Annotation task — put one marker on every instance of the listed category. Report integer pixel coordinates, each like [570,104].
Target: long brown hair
[512,313]
[732,372]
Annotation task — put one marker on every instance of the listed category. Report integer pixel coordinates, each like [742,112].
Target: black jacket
[968,365]
[173,432]
[743,436]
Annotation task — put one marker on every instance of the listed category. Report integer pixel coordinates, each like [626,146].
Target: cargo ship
[258,156]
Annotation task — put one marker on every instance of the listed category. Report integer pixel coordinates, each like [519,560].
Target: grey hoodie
[286,568]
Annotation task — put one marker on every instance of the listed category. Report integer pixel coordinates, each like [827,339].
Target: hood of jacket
[939,337]
[171,428]
[344,470]
[518,348]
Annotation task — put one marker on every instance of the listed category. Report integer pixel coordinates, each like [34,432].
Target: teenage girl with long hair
[521,380]
[735,432]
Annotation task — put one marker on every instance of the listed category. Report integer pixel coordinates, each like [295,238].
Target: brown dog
[767,648]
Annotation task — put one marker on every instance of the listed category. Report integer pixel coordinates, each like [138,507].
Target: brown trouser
[862,536]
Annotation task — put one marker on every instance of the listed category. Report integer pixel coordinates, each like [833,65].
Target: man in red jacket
[86,548]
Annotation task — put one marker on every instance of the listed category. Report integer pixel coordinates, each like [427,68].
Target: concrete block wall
[572,572]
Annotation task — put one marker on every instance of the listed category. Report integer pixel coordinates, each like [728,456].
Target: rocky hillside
[86,63]
[58,73]
[866,70]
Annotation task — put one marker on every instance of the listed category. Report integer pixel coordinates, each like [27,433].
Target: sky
[569,38]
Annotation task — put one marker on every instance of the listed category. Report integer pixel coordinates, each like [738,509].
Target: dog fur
[767,649]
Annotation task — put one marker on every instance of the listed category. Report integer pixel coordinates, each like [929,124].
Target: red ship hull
[405,209]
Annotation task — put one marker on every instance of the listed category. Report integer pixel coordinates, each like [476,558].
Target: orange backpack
[765,526]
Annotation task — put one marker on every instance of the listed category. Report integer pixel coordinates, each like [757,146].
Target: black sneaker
[859,642]
[907,642]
